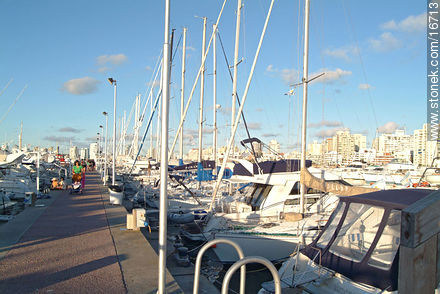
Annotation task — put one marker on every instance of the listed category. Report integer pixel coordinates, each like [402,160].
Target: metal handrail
[199,263]
[252,259]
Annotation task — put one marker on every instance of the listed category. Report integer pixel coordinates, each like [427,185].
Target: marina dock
[78,243]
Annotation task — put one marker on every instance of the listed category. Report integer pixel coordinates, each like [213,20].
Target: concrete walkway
[69,249]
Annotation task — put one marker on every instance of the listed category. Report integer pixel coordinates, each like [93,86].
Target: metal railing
[240,255]
[251,259]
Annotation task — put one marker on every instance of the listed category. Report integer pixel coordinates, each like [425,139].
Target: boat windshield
[258,195]
[333,224]
[357,232]
[386,249]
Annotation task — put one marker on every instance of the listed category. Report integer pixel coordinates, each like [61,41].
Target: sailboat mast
[164,153]
[214,94]
[182,92]
[304,107]
[202,91]
[20,138]
[123,135]
[136,125]
[234,81]
[151,133]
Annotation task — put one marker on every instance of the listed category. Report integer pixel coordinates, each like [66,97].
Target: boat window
[297,188]
[295,201]
[357,232]
[333,223]
[251,192]
[259,195]
[383,255]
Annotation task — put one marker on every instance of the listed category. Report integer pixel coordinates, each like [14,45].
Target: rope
[358,51]
[238,98]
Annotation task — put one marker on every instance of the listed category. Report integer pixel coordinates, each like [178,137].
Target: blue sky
[373,53]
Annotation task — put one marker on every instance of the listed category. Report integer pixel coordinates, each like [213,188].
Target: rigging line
[156,67]
[152,86]
[182,120]
[238,98]
[13,103]
[323,62]
[353,35]
[300,39]
[7,85]
[156,102]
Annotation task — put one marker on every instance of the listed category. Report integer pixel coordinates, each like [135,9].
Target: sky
[56,56]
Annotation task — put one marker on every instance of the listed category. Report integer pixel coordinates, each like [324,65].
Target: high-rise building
[398,144]
[424,151]
[314,149]
[73,153]
[345,146]
[94,151]
[360,142]
[274,145]
[84,154]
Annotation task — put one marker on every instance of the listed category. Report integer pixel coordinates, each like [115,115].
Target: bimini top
[361,239]
[393,199]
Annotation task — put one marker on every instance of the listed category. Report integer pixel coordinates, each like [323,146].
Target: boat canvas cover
[272,166]
[331,187]
[207,164]
[387,201]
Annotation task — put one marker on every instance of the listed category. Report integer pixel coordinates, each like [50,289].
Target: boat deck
[78,244]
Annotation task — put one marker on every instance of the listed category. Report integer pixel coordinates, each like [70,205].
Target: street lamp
[105,148]
[113,82]
[100,145]
[97,155]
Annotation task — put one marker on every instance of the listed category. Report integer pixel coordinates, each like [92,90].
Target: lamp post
[100,146]
[113,82]
[105,148]
[98,153]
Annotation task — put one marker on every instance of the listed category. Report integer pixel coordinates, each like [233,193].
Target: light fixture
[105,113]
[111,81]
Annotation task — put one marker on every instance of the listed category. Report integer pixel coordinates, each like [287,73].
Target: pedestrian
[77,171]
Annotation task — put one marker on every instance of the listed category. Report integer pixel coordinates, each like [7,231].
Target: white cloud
[365,86]
[328,132]
[70,130]
[190,48]
[325,123]
[388,128]
[385,42]
[115,59]
[270,68]
[270,135]
[330,76]
[341,53]
[103,69]
[254,126]
[81,86]
[291,76]
[411,24]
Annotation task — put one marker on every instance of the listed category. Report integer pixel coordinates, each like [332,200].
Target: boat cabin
[362,237]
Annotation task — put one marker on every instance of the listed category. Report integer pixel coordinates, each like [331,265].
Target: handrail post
[199,263]
[252,259]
